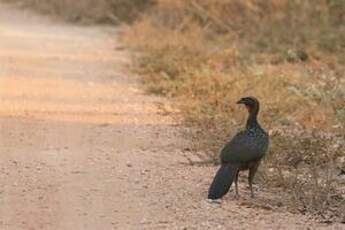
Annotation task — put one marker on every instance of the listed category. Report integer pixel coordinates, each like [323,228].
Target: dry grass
[206,58]
[88,11]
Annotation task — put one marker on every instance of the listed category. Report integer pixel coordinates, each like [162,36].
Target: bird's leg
[236,183]
[251,175]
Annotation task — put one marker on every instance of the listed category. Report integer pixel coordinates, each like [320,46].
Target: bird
[243,152]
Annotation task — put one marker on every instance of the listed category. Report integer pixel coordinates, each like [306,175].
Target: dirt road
[81,147]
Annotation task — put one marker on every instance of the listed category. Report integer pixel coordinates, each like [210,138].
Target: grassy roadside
[288,54]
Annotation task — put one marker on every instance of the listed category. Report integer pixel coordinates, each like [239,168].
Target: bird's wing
[243,147]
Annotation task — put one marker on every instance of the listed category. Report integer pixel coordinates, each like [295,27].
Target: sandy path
[81,147]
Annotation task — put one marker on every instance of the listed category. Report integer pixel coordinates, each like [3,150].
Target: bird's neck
[252,118]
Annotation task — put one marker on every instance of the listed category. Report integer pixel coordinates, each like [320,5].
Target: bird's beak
[240,101]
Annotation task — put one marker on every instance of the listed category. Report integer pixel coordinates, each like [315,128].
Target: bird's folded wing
[242,148]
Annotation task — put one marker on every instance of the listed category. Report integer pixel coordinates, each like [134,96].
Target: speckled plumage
[243,152]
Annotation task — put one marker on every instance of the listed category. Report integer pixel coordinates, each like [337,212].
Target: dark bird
[243,152]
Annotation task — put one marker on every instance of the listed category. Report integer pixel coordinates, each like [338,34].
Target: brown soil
[83,148]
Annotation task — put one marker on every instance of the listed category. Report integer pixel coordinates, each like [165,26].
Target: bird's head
[251,103]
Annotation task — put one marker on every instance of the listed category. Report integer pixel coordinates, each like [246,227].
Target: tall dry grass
[205,54]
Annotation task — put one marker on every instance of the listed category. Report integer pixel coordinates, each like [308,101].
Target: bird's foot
[211,201]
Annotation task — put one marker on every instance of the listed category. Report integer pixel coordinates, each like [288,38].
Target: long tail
[222,181]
